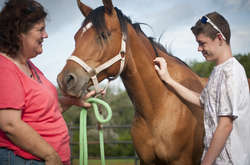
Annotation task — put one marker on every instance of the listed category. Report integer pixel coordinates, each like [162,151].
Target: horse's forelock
[97,18]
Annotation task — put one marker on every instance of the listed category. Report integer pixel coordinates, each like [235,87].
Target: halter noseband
[93,72]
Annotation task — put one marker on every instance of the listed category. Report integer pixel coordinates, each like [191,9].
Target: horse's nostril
[70,80]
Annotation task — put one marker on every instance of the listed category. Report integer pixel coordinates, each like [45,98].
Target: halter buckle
[92,72]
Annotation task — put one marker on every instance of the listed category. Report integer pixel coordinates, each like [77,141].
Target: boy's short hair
[207,28]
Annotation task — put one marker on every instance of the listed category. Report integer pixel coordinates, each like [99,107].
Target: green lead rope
[83,129]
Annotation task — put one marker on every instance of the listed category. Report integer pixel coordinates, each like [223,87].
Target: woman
[32,129]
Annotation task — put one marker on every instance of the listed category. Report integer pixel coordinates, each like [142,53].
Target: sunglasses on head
[205,20]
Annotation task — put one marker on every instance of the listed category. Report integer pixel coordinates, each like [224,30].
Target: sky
[170,19]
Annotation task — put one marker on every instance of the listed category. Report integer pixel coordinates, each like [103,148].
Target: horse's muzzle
[72,84]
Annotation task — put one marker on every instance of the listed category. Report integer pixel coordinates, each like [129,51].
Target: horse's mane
[97,18]
[158,45]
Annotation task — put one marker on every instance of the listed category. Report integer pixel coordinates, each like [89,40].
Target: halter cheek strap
[93,72]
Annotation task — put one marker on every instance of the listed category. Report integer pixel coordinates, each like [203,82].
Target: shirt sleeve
[228,94]
[12,93]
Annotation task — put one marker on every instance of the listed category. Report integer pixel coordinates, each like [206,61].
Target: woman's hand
[81,102]
[53,159]
[67,102]
[162,70]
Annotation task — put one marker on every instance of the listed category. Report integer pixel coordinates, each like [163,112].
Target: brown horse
[165,129]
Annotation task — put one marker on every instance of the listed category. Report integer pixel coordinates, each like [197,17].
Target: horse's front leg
[184,160]
[143,163]
[143,143]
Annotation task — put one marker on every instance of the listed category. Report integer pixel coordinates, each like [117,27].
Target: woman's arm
[187,94]
[25,137]
[67,102]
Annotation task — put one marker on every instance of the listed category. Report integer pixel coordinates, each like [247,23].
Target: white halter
[94,71]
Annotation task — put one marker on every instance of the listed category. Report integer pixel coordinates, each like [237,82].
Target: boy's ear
[220,36]
[221,39]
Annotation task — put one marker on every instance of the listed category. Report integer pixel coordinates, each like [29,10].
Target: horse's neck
[141,80]
[143,85]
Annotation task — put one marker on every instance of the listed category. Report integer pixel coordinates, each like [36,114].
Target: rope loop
[99,117]
[83,129]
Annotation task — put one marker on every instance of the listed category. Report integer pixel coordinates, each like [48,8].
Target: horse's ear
[84,8]
[109,8]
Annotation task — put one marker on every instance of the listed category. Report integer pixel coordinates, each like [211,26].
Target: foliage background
[204,69]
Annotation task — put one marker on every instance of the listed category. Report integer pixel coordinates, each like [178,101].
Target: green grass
[108,162]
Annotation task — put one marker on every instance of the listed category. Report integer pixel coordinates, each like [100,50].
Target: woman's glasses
[205,20]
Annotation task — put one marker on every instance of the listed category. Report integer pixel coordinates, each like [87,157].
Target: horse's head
[100,45]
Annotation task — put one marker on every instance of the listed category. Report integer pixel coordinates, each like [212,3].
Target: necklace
[33,72]
[30,69]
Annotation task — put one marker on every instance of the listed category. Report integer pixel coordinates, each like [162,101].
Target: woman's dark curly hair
[17,17]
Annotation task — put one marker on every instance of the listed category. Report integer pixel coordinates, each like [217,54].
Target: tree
[204,69]
[244,59]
